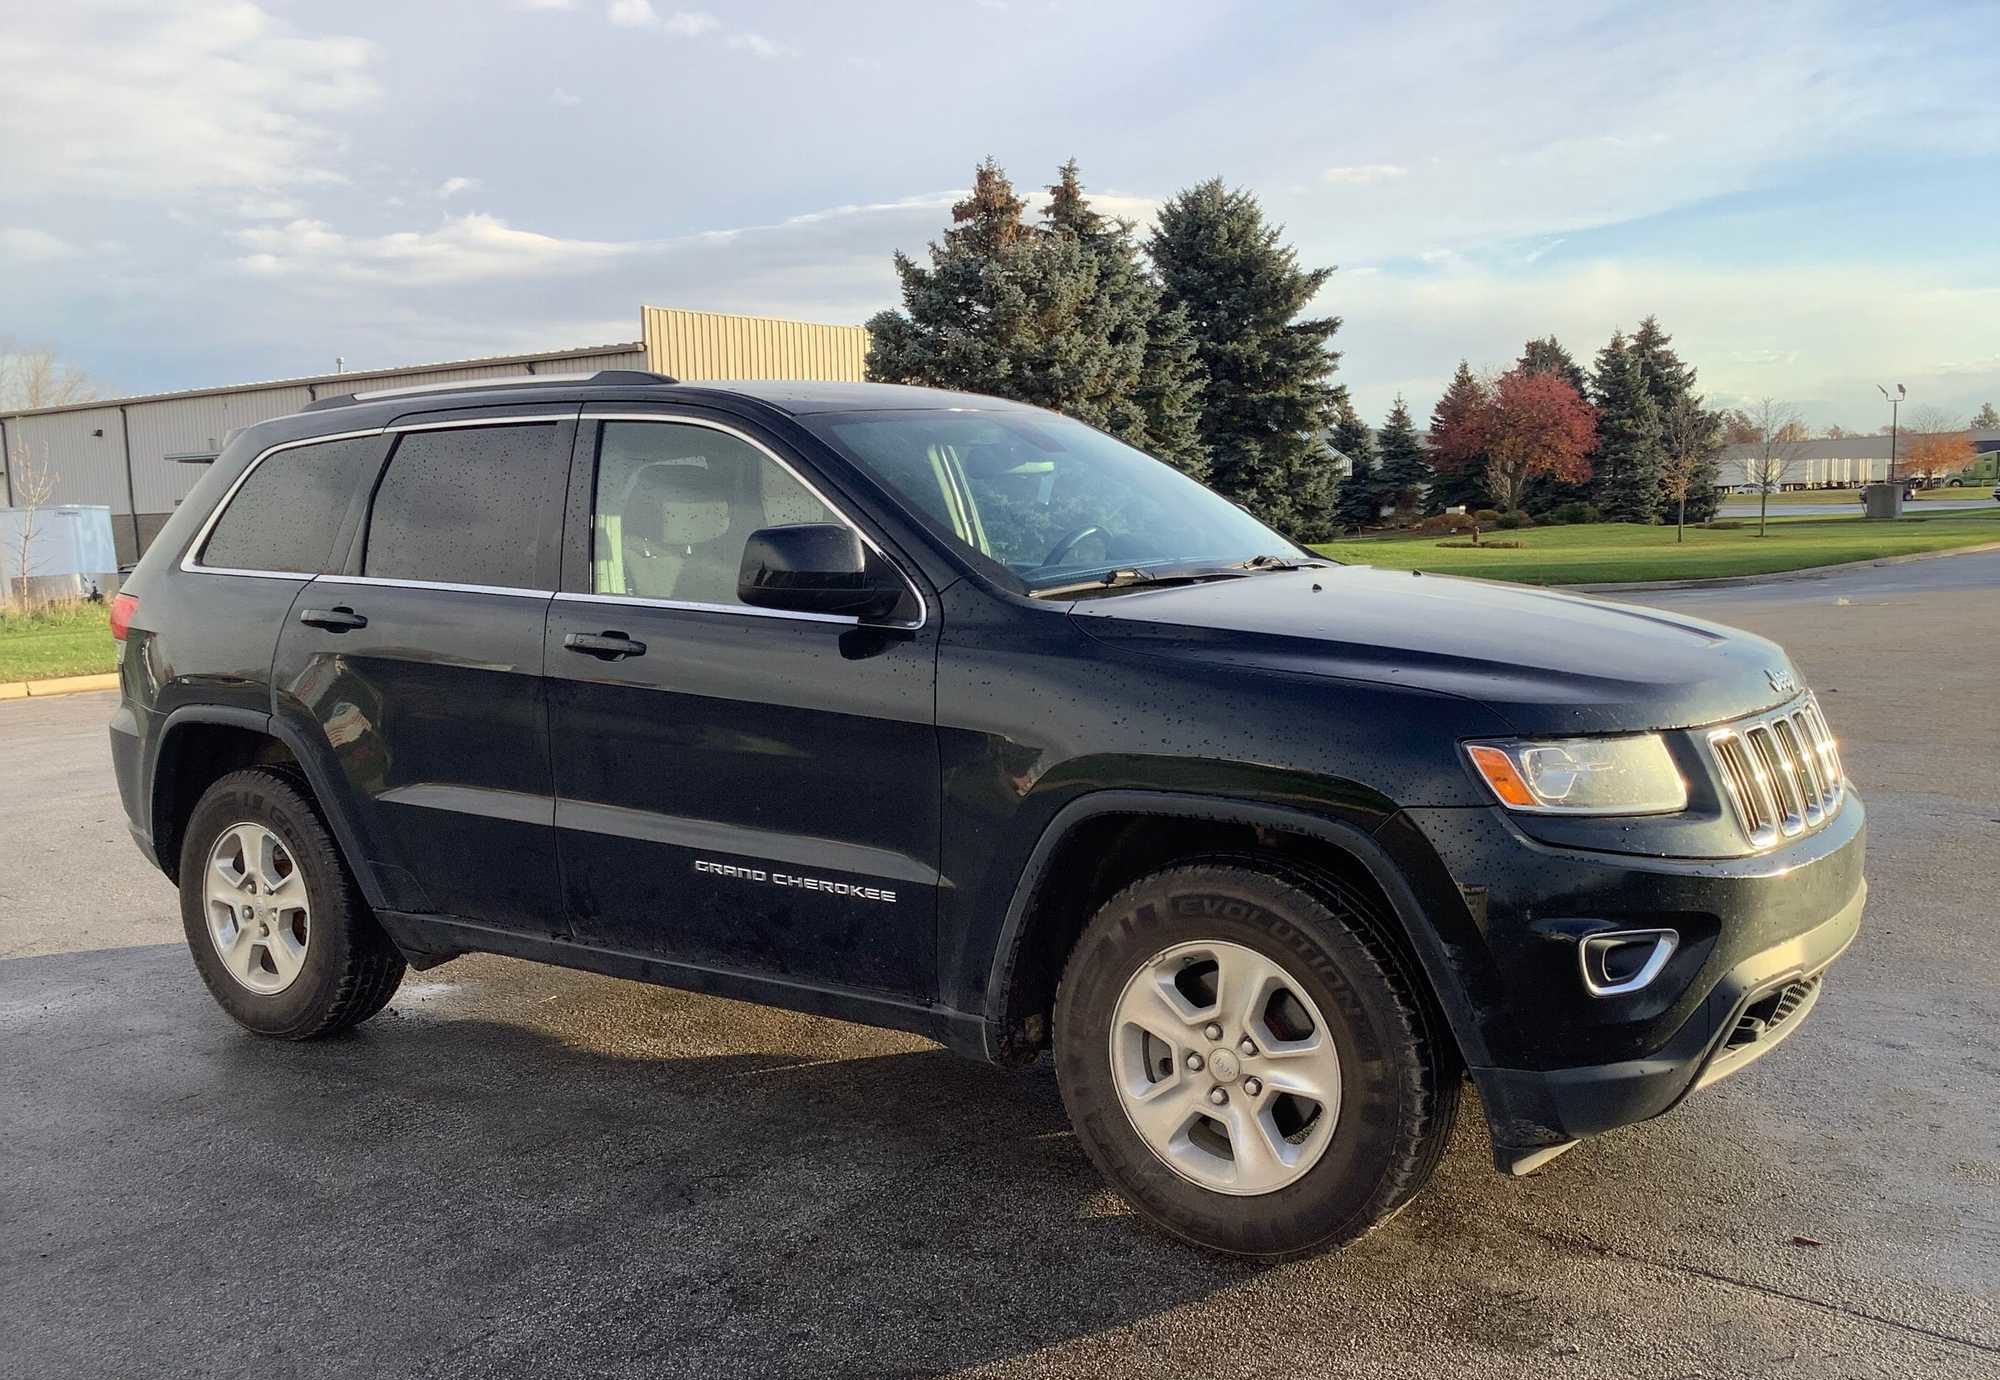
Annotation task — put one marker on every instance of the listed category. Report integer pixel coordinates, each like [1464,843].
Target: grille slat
[1780,772]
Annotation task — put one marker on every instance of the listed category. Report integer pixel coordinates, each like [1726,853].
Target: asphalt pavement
[518,1170]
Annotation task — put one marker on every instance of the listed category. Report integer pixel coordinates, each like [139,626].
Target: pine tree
[1062,315]
[1547,356]
[1270,397]
[1627,468]
[1986,419]
[1358,500]
[1406,471]
[1154,401]
[1670,382]
[1459,479]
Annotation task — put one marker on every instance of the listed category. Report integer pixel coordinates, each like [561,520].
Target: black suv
[946,713]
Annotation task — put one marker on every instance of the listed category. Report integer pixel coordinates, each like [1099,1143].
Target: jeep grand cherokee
[950,714]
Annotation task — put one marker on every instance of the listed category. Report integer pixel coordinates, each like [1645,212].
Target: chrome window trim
[194,567]
[674,419]
[387,582]
[845,619]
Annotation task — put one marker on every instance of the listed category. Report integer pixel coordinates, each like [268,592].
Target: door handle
[607,646]
[338,620]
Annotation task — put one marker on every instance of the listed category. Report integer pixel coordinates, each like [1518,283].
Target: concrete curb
[1814,572]
[60,685]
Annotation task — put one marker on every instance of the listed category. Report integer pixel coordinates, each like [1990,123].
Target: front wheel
[278,928]
[1248,1062]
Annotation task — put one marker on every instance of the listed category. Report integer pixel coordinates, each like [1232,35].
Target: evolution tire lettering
[766,877]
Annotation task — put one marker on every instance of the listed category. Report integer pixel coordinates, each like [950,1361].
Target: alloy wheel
[1225,1067]
[259,918]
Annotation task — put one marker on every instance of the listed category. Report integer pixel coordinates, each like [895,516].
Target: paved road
[523,1171]
[1747,507]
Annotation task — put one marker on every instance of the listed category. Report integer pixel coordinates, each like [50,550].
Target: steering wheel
[1070,542]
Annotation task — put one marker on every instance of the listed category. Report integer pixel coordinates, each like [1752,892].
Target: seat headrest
[693,502]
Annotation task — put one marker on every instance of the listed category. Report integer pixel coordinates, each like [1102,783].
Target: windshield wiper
[1126,577]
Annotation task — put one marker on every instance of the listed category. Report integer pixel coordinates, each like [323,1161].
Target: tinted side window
[462,507]
[286,513]
[675,505]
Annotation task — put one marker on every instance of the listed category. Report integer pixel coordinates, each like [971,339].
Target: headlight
[1634,775]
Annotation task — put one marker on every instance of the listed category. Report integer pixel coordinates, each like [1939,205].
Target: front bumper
[1753,1009]
[1553,1061]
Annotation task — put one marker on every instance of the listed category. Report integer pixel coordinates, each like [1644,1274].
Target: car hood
[1546,662]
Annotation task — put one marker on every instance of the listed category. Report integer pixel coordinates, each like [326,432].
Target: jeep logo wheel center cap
[1222,1066]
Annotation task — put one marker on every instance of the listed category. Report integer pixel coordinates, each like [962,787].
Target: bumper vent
[1780,771]
[1766,1017]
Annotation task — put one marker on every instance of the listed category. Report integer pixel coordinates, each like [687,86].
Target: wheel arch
[1024,951]
[199,744]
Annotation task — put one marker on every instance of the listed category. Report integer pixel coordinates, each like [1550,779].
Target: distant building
[1825,463]
[140,456]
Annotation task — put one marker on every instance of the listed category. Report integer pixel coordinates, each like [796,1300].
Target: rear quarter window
[284,516]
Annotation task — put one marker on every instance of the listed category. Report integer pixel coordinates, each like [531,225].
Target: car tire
[278,928]
[1394,1094]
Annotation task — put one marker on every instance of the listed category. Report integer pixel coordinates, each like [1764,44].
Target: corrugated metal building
[141,455]
[1828,462]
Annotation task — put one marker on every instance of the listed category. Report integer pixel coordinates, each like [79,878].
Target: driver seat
[691,559]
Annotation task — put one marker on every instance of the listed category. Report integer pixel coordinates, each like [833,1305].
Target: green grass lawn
[1609,551]
[74,640]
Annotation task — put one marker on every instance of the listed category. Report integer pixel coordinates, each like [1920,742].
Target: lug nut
[1194,1063]
[1218,1097]
[1248,1045]
[1253,1086]
[1214,1031]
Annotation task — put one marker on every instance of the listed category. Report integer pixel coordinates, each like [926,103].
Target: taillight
[123,606]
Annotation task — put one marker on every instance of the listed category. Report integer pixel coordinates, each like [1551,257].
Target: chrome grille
[1780,772]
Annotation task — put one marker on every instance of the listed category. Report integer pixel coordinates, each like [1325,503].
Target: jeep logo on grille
[1782,681]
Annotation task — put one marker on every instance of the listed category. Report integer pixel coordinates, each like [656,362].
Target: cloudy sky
[1807,194]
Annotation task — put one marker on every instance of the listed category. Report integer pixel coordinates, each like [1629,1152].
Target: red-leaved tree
[1526,424]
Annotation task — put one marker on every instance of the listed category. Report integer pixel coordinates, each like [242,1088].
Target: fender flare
[1439,971]
[346,835]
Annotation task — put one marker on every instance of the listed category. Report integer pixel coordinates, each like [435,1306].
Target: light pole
[1894,403]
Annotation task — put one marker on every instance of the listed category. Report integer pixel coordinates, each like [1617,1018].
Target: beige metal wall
[694,345]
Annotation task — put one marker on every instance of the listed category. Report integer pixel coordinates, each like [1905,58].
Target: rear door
[738,787]
[419,666]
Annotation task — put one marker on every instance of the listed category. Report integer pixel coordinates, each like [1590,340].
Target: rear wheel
[1246,1060]
[278,929]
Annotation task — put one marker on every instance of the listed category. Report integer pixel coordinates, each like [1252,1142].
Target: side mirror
[815,567]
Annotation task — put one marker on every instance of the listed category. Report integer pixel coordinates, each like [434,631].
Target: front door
[735,788]
[418,669]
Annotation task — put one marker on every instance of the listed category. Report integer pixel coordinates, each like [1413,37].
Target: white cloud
[564,99]
[141,101]
[471,248]
[544,4]
[692,23]
[633,14]
[1362,174]
[452,186]
[25,244]
[757,45]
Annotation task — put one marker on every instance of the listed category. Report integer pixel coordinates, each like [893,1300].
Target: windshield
[1048,501]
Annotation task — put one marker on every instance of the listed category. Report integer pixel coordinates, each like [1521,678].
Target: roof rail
[602,377]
